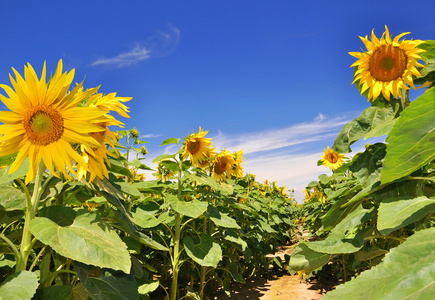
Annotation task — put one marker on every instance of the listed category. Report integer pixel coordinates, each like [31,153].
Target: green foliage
[407,272]
[20,285]
[411,143]
[373,219]
[205,252]
[374,121]
[86,239]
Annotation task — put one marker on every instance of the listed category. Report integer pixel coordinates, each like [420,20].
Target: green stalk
[203,269]
[176,256]
[31,208]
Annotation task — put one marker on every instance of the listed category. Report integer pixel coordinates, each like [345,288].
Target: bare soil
[279,287]
[285,287]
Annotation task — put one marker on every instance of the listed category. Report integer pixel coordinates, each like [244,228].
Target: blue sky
[271,77]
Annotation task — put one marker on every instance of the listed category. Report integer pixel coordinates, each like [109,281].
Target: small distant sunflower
[44,121]
[387,66]
[332,159]
[238,168]
[223,165]
[163,172]
[197,147]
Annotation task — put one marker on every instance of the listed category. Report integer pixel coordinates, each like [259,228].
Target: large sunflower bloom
[387,66]
[197,147]
[237,170]
[96,158]
[223,165]
[332,159]
[44,121]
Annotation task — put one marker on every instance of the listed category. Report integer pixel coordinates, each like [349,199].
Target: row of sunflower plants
[373,218]
[78,219]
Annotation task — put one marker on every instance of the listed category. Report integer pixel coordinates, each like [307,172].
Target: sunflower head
[163,172]
[332,159]
[237,170]
[197,147]
[97,156]
[223,165]
[45,120]
[387,66]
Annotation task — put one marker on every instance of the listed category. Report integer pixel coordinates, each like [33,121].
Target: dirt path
[283,287]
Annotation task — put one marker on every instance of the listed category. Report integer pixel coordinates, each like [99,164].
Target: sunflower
[197,147]
[96,157]
[163,172]
[44,121]
[387,66]
[223,165]
[332,159]
[237,170]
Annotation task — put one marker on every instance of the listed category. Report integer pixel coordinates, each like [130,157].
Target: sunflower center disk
[193,147]
[43,125]
[220,167]
[388,63]
[332,158]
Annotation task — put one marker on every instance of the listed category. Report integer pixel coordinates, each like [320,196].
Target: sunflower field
[79,220]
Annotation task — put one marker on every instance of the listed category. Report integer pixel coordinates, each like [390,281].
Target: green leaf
[407,272]
[367,168]
[109,286]
[148,287]
[395,213]
[193,209]
[345,237]
[307,260]
[22,170]
[206,253]
[382,129]
[221,219]
[111,193]
[12,198]
[170,141]
[265,226]
[224,188]
[369,253]
[88,239]
[411,143]
[128,188]
[145,219]
[372,118]
[61,292]
[21,285]
[119,168]
[163,156]
[234,271]
[232,236]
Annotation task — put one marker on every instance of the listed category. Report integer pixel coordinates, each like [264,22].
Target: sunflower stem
[404,98]
[176,251]
[26,243]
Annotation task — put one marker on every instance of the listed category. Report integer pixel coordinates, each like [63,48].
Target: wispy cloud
[320,128]
[150,136]
[161,44]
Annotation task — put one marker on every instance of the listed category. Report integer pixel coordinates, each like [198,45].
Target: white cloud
[149,136]
[138,53]
[320,128]
[161,44]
